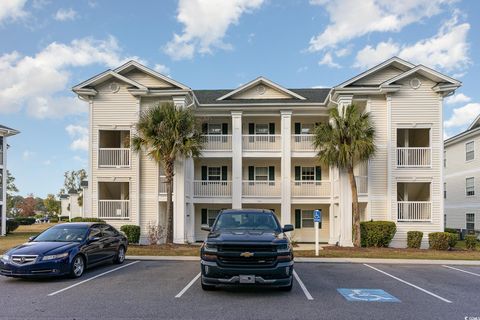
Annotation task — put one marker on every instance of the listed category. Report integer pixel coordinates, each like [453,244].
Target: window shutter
[224,173]
[224,128]
[318,173]
[204,216]
[297,173]
[204,128]
[271,173]
[204,173]
[251,128]
[271,128]
[251,173]
[298,128]
[298,218]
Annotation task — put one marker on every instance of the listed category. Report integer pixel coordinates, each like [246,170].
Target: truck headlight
[284,248]
[209,247]
[55,256]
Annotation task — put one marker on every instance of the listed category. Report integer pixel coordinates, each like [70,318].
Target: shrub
[25,221]
[414,239]
[155,233]
[439,240]
[453,239]
[377,233]
[80,219]
[451,230]
[471,242]
[63,218]
[12,225]
[54,220]
[132,232]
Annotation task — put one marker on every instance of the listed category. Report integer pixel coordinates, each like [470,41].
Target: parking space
[171,289]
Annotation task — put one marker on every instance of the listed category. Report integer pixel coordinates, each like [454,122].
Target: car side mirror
[205,227]
[287,228]
[93,239]
[30,239]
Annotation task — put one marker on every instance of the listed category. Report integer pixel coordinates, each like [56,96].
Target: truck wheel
[207,287]
[287,288]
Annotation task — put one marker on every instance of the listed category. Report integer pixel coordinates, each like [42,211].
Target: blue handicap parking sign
[317,215]
[367,295]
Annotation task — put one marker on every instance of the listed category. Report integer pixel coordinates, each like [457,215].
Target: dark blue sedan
[65,249]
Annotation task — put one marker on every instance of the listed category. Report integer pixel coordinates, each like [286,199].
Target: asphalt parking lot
[171,290]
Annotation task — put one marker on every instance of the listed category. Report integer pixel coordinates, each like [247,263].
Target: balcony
[414,211]
[302,142]
[261,189]
[114,157]
[113,209]
[212,189]
[217,142]
[261,142]
[311,188]
[414,157]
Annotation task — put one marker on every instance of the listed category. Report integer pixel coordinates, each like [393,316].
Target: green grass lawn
[21,235]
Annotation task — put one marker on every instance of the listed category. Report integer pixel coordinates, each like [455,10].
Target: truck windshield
[246,221]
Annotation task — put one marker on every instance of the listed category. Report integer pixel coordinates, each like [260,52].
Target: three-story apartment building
[5,132]
[462,178]
[259,154]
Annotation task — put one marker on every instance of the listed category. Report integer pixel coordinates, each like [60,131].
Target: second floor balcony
[311,189]
[212,189]
[113,202]
[302,142]
[217,142]
[261,188]
[413,148]
[261,142]
[114,149]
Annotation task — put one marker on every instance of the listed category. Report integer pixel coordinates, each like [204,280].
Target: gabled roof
[426,72]
[394,61]
[257,81]
[6,131]
[88,84]
[130,65]
[475,123]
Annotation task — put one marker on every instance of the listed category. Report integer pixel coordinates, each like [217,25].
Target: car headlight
[210,247]
[283,248]
[5,257]
[55,256]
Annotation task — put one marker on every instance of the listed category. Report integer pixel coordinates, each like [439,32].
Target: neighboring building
[462,179]
[69,204]
[5,132]
[259,152]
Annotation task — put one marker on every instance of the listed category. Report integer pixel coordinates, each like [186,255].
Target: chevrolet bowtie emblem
[246,254]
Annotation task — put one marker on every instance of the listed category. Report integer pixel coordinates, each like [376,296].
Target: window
[261,173]
[470,222]
[308,173]
[214,173]
[307,128]
[470,186]
[307,219]
[469,151]
[444,190]
[444,221]
[261,128]
[211,216]
[214,128]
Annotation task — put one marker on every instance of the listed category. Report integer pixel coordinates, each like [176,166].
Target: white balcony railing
[414,211]
[311,188]
[414,157]
[261,142]
[362,184]
[114,209]
[261,189]
[204,189]
[113,157]
[218,142]
[302,142]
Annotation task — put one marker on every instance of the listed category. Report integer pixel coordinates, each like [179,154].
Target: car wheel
[120,257]
[287,288]
[78,267]
[207,287]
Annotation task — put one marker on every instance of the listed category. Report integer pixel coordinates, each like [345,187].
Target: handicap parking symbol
[367,295]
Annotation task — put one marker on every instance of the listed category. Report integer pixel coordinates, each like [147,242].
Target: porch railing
[261,142]
[204,189]
[218,142]
[414,157]
[114,209]
[113,157]
[302,142]
[261,189]
[414,211]
[321,188]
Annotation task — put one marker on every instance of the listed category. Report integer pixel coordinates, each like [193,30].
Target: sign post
[317,218]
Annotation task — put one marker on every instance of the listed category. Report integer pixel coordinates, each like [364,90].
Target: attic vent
[261,89]
[114,87]
[415,83]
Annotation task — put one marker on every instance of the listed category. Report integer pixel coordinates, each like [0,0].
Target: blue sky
[48,46]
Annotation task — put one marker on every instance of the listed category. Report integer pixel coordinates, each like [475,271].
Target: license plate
[247,279]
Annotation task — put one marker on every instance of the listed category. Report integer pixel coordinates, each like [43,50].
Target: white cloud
[161,68]
[79,135]
[351,19]
[328,61]
[37,82]
[463,116]
[47,162]
[205,25]
[458,98]
[11,10]
[448,49]
[65,14]
[27,154]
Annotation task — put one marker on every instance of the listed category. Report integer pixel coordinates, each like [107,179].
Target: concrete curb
[327,260]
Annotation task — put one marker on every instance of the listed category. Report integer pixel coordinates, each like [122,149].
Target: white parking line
[472,273]
[410,284]
[300,282]
[89,279]
[187,286]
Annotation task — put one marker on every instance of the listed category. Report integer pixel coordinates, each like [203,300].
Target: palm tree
[348,138]
[167,133]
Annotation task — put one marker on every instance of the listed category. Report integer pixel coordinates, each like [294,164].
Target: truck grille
[24,259]
[244,248]
[246,255]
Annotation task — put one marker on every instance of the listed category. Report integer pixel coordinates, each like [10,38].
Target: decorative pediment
[260,88]
[87,87]
[435,76]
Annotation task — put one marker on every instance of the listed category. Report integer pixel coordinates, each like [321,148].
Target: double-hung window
[469,151]
[209,216]
[304,219]
[215,128]
[214,173]
[444,190]
[261,173]
[470,186]
[308,173]
[470,222]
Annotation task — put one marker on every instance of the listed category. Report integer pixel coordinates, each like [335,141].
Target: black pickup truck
[247,247]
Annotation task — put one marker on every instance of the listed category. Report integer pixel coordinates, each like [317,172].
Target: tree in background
[72,182]
[26,208]
[51,204]
[11,189]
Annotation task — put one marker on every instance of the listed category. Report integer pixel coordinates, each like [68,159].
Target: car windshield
[63,234]
[247,221]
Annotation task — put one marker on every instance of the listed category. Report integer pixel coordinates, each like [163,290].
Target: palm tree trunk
[169,181]
[355,211]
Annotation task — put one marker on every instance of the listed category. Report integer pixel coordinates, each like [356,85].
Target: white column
[331,223]
[236,159]
[3,196]
[286,166]
[179,204]
[190,213]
